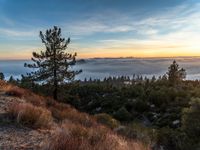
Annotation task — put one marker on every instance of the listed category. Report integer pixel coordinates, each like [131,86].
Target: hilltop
[30,121]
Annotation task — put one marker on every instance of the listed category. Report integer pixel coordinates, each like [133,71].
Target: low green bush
[107,120]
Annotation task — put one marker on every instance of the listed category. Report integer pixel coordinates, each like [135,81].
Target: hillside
[30,121]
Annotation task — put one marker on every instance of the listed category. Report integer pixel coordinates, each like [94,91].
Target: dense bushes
[191,121]
[157,101]
[171,139]
[122,114]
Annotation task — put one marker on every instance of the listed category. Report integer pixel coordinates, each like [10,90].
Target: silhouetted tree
[2,77]
[53,64]
[12,80]
[153,79]
[175,73]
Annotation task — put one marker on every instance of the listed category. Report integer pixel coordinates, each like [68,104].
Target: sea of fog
[103,67]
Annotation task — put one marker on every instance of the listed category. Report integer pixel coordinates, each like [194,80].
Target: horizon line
[128,57]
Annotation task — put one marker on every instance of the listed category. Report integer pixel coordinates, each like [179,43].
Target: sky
[102,28]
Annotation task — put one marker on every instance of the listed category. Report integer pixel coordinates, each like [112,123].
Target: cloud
[179,18]
[175,30]
[170,30]
[90,27]
[16,33]
[117,67]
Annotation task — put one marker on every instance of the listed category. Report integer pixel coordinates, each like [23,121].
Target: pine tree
[53,64]
[175,73]
[2,77]
[153,79]
[12,80]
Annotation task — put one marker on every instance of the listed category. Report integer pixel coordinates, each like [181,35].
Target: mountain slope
[30,121]
[15,136]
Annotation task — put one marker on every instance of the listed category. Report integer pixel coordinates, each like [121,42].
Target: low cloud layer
[100,68]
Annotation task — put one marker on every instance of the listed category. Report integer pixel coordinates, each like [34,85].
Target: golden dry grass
[29,115]
[76,137]
[14,91]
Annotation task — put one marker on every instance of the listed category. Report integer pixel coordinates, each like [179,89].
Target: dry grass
[80,118]
[64,112]
[14,91]
[2,84]
[29,115]
[34,99]
[27,95]
[76,137]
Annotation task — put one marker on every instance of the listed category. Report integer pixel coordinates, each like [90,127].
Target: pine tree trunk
[55,96]
[55,92]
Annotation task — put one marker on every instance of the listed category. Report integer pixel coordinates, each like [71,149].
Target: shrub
[29,115]
[140,106]
[191,121]
[172,140]
[137,131]
[107,120]
[126,132]
[122,114]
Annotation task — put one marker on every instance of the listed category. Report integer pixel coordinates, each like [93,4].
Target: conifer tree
[52,65]
[175,73]
[2,77]
[12,80]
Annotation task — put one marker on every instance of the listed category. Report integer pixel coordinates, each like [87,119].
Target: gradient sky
[103,28]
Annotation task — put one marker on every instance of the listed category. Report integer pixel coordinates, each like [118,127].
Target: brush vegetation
[161,112]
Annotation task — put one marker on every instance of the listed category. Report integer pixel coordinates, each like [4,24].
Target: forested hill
[162,112]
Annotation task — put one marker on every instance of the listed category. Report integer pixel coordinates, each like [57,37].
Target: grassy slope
[52,125]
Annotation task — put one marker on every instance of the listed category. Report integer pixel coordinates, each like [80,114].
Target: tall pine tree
[53,64]
[175,73]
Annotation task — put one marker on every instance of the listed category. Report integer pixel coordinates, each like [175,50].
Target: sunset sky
[103,28]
